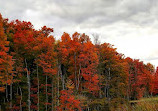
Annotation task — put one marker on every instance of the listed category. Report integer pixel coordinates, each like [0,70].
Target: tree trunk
[37,89]
[28,82]
[109,77]
[58,85]
[75,72]
[46,94]
[106,85]
[78,84]
[52,93]
[129,88]
[6,92]
[20,99]
[7,89]
[63,82]
[11,94]
[62,74]
[88,108]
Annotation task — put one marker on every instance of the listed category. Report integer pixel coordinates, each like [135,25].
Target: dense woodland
[39,73]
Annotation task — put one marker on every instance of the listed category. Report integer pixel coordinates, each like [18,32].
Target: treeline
[39,73]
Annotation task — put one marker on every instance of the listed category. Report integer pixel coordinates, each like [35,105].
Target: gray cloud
[95,12]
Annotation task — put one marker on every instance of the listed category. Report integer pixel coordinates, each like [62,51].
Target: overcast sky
[130,25]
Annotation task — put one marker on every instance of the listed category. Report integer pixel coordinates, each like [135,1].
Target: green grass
[150,99]
[144,104]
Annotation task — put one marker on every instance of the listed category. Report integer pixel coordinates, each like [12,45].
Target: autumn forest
[40,73]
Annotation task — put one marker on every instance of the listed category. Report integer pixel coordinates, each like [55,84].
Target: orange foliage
[68,101]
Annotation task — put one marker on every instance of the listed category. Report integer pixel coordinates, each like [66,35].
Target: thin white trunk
[6,92]
[7,89]
[109,77]
[129,88]
[11,94]
[46,94]
[88,108]
[37,89]
[52,94]
[62,74]
[78,84]
[20,99]
[75,72]
[28,82]
[58,85]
